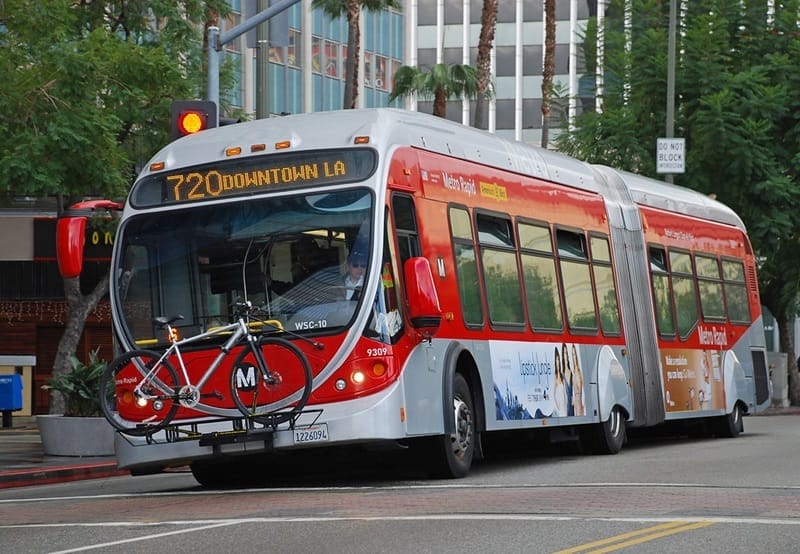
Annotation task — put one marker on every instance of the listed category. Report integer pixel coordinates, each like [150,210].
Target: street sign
[670,155]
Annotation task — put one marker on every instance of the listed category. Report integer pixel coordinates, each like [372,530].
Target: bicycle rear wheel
[151,409]
[276,393]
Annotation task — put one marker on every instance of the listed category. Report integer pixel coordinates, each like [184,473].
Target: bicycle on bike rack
[141,392]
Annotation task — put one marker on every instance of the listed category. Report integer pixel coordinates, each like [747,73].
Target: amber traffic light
[192,116]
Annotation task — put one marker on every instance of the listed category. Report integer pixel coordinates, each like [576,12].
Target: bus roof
[389,127]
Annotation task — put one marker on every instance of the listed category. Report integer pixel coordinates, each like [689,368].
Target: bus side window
[469,290]
[604,284]
[500,270]
[683,286]
[539,273]
[709,282]
[735,291]
[405,224]
[578,292]
[662,294]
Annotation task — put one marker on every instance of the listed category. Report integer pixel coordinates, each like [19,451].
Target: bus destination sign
[257,175]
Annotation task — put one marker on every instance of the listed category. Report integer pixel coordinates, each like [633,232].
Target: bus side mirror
[423,302]
[70,231]
[69,245]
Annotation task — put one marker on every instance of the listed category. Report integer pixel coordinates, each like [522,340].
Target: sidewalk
[23,462]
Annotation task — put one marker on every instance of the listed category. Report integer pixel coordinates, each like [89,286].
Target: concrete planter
[75,436]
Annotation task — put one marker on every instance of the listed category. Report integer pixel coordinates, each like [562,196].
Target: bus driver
[354,276]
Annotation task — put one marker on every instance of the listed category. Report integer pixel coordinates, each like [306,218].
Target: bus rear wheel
[450,455]
[730,425]
[607,437]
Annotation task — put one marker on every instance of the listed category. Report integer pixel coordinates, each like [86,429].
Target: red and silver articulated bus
[443,283]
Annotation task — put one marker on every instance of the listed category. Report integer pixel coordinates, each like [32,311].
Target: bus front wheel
[450,455]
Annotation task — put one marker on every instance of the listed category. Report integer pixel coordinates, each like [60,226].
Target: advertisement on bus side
[537,380]
[693,380]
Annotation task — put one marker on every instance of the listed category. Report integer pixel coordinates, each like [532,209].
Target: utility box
[10,392]
[23,366]
[10,396]
[779,377]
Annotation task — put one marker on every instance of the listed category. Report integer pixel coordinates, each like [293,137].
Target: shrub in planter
[81,386]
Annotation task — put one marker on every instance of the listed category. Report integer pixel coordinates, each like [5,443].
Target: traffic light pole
[217,40]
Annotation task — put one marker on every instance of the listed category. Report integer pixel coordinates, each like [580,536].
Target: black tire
[732,424]
[212,474]
[226,473]
[263,402]
[118,401]
[609,435]
[449,456]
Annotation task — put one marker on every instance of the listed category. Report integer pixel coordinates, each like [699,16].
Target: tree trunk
[483,62]
[549,67]
[440,103]
[78,308]
[353,54]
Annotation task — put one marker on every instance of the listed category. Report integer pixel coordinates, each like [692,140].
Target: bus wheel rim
[463,427]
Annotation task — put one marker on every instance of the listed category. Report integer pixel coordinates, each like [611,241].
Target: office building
[306,71]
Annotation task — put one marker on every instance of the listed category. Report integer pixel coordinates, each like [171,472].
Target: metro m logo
[245,377]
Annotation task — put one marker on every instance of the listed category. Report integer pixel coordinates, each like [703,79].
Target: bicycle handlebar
[242,308]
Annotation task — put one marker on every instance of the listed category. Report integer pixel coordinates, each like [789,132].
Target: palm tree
[352,8]
[441,83]
[483,63]
[549,67]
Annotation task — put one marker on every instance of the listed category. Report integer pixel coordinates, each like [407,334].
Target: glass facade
[438,36]
[381,53]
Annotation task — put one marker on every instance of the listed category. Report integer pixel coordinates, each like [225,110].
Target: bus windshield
[291,255]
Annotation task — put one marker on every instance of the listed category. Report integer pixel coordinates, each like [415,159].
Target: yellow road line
[639,536]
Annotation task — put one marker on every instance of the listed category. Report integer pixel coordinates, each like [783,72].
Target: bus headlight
[357,377]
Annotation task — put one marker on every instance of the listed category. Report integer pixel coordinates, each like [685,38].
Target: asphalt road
[658,495]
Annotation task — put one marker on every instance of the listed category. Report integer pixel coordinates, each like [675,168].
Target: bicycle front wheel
[277,390]
[138,394]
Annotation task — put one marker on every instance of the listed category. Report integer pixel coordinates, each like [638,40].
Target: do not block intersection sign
[670,155]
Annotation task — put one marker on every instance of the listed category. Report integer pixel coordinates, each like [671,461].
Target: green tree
[86,94]
[738,93]
[483,62]
[352,9]
[441,83]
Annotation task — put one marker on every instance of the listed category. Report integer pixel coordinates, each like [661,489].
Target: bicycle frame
[240,330]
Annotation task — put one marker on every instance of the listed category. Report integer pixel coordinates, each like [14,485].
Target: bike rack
[242,429]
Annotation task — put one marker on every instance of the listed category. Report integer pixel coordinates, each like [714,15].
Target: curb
[59,474]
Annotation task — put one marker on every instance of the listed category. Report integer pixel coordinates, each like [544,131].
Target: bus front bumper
[376,418]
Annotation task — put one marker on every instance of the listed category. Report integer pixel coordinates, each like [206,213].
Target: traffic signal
[191,116]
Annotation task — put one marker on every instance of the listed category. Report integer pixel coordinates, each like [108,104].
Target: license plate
[315,433]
